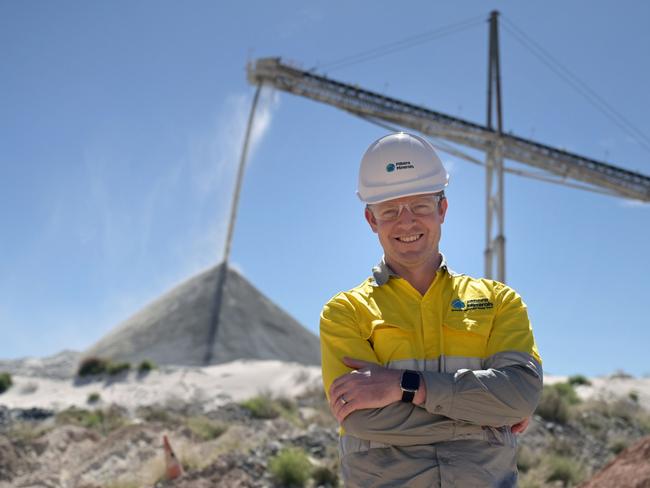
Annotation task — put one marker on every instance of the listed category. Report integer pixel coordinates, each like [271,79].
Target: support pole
[495,256]
[223,269]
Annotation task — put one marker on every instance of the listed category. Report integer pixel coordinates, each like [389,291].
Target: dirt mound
[62,365]
[630,469]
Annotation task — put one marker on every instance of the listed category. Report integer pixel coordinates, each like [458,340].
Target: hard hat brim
[399,193]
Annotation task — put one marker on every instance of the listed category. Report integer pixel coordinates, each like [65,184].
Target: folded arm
[494,397]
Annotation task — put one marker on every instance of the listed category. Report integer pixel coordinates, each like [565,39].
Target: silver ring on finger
[343,400]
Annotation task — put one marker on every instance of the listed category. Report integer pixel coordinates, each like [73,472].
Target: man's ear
[442,209]
[372,221]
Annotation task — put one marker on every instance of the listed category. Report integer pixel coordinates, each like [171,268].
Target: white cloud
[213,160]
[204,178]
[214,156]
[99,220]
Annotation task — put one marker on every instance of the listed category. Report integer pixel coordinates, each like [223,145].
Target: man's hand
[368,386]
[521,426]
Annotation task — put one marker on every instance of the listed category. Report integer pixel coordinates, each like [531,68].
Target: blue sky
[121,125]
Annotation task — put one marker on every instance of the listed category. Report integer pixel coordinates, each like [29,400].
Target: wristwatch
[410,383]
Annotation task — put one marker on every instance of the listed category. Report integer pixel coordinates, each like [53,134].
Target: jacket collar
[382,272]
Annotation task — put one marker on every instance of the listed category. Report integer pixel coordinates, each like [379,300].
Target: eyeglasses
[389,212]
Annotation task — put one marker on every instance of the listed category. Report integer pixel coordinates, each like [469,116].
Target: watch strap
[410,383]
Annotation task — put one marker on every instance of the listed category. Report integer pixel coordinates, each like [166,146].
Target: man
[430,373]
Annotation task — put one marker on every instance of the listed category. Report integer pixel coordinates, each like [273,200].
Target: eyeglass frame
[440,196]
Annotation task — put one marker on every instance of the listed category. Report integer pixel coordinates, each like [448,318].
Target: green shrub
[92,366]
[104,421]
[146,366]
[290,468]
[286,404]
[625,410]
[525,459]
[553,406]
[578,379]
[93,398]
[206,429]
[567,391]
[620,375]
[27,432]
[618,445]
[565,470]
[561,447]
[114,369]
[324,476]
[156,414]
[528,482]
[633,396]
[5,382]
[262,407]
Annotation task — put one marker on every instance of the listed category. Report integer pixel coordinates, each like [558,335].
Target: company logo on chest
[459,305]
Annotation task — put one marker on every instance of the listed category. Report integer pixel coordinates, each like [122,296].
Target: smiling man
[430,373]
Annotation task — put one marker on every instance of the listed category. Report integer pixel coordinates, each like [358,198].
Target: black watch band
[409,384]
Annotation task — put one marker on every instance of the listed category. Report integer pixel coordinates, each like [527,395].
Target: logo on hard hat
[404,165]
[399,165]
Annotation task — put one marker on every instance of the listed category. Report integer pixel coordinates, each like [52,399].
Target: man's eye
[422,208]
[388,213]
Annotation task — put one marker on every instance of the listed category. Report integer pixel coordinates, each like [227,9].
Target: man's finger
[340,387]
[357,363]
[341,407]
[341,380]
[519,427]
[345,410]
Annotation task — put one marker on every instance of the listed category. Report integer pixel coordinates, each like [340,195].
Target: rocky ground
[234,445]
[267,440]
[230,446]
[567,453]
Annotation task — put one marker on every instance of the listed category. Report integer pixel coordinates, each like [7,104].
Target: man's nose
[405,214]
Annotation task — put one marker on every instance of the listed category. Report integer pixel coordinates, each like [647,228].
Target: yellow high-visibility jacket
[473,344]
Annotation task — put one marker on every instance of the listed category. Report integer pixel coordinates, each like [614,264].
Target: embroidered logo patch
[458,304]
[474,304]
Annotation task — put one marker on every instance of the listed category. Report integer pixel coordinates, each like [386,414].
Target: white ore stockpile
[174,329]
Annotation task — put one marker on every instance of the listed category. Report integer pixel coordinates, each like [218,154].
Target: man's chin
[411,259]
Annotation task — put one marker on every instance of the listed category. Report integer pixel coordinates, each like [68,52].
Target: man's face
[410,240]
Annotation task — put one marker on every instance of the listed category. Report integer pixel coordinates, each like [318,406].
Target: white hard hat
[400,165]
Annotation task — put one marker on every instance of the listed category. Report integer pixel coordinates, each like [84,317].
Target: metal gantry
[556,165]
[368,104]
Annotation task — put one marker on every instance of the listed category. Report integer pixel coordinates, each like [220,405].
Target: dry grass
[206,429]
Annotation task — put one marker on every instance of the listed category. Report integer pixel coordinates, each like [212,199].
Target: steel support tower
[495,239]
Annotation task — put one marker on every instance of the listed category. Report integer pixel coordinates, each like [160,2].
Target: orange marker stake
[173,468]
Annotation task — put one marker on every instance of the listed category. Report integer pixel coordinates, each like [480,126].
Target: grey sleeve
[398,424]
[504,393]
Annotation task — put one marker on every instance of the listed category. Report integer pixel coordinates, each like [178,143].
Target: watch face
[410,381]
